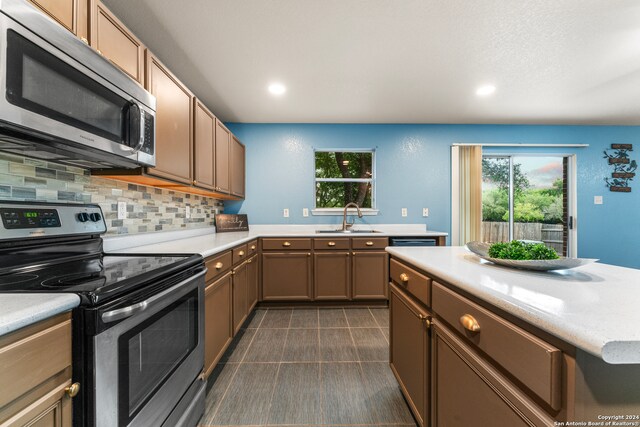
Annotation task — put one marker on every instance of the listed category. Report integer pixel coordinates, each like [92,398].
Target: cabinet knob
[404,277]
[72,390]
[99,51]
[219,265]
[369,243]
[253,247]
[469,323]
[195,182]
[308,253]
[286,244]
[241,253]
[84,40]
[249,261]
[233,272]
[425,320]
[331,244]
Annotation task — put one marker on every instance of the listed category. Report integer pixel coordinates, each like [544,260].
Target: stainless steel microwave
[62,101]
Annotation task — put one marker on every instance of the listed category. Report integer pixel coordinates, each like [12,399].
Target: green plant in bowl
[521,251]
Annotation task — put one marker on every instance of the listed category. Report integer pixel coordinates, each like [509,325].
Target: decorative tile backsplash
[148,208]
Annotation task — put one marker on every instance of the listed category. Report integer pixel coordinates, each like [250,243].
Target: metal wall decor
[623,167]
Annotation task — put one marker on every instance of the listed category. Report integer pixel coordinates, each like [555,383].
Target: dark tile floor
[311,367]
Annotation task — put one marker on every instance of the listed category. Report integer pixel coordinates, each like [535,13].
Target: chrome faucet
[345,225]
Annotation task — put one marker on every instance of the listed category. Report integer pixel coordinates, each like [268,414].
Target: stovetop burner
[15,279]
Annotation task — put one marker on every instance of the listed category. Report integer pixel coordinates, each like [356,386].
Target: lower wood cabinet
[240,300]
[332,275]
[469,391]
[370,275]
[218,329]
[35,363]
[253,282]
[409,356]
[286,276]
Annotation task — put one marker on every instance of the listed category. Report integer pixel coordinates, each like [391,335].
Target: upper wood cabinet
[174,112]
[222,157]
[115,42]
[71,14]
[237,167]
[204,146]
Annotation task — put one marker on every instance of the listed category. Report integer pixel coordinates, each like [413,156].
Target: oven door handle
[123,313]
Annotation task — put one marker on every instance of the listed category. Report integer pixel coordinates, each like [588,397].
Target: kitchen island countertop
[593,307]
[20,310]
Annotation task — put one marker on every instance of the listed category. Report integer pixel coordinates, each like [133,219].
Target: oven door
[145,363]
[50,94]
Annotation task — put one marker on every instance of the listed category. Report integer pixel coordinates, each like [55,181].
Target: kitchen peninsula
[520,347]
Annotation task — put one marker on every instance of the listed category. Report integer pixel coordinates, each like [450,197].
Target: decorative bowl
[482,250]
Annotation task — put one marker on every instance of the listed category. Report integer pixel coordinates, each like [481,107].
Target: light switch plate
[404,211]
[425,211]
[122,210]
[305,212]
[597,200]
[187,212]
[285,213]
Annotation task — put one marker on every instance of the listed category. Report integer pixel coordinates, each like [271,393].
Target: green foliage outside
[339,165]
[530,204]
[519,250]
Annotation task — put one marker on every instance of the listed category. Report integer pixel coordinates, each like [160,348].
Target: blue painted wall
[413,171]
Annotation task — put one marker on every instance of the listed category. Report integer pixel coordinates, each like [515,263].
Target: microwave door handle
[135,127]
[123,313]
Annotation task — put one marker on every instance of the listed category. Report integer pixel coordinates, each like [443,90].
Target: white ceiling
[401,61]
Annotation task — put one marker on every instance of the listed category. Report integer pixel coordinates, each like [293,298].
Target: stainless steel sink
[348,231]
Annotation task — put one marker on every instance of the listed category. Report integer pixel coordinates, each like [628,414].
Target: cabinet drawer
[411,281]
[240,254]
[286,244]
[342,244]
[532,361]
[33,355]
[252,247]
[370,242]
[217,265]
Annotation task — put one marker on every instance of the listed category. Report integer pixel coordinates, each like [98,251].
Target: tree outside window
[343,177]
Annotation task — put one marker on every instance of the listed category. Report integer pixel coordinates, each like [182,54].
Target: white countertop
[20,310]
[207,242]
[595,307]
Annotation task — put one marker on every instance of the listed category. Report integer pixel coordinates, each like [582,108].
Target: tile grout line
[379,326]
[275,381]
[320,391]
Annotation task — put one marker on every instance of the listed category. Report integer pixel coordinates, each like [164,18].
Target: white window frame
[351,211]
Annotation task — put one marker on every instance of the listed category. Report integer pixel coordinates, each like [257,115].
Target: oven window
[149,353]
[40,82]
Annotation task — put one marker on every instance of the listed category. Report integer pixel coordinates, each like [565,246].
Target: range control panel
[35,219]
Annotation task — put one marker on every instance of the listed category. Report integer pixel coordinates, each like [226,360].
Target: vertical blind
[469,179]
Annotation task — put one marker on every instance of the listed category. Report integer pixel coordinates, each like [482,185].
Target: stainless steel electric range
[138,346]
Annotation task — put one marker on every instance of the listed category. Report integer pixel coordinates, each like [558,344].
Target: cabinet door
[469,391]
[240,304]
[409,357]
[217,320]
[286,276]
[173,123]
[370,274]
[115,42]
[252,283]
[237,167]
[332,275]
[222,157]
[53,409]
[65,12]
[204,146]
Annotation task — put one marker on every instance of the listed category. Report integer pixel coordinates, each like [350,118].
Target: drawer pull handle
[219,265]
[470,323]
[286,244]
[241,253]
[404,277]
[425,320]
[331,244]
[253,247]
[369,243]
[84,40]
[72,390]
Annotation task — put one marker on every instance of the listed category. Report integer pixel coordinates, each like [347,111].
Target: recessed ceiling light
[277,89]
[485,90]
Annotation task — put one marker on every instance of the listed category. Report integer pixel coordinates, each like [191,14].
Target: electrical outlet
[404,211]
[285,213]
[305,212]
[597,200]
[122,210]
[187,212]
[425,211]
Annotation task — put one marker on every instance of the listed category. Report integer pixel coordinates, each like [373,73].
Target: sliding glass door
[527,198]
